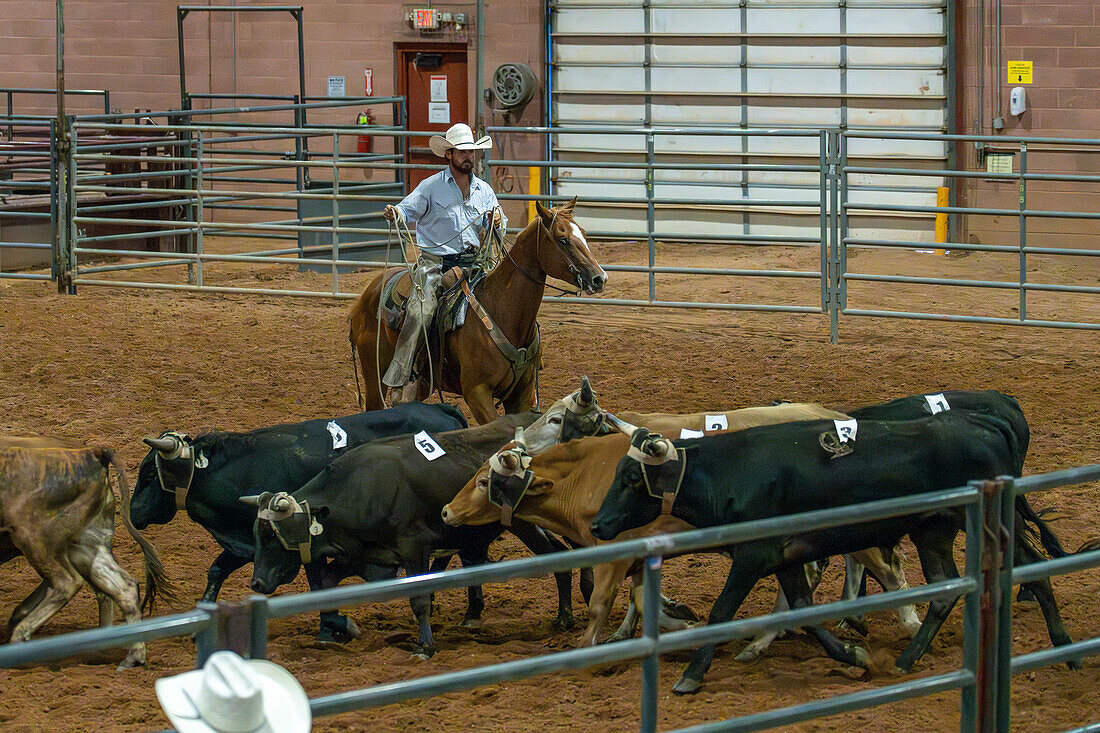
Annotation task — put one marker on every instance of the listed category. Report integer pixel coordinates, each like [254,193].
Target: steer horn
[164,445]
[621,425]
[251,499]
[586,395]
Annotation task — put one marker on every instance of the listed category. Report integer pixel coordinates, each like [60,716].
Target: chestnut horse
[473,365]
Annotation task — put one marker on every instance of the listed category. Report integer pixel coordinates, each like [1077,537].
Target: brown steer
[57,509]
[571,480]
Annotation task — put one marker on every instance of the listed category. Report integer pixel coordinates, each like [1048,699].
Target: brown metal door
[433,78]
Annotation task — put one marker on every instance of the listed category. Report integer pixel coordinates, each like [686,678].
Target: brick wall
[1063,42]
[130,47]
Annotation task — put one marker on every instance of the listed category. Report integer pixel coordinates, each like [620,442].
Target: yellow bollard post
[534,185]
[941,219]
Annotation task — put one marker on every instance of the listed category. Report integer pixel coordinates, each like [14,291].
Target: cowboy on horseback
[452,210]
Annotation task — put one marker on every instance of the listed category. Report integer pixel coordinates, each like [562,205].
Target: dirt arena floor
[113,365]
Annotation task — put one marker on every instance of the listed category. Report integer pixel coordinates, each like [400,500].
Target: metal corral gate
[984,679]
[321,196]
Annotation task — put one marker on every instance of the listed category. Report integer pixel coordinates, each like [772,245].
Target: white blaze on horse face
[582,243]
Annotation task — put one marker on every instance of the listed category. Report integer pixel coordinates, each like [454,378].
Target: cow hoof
[132,660]
[340,631]
[747,656]
[678,610]
[857,625]
[424,654]
[617,636]
[1074,664]
[859,655]
[563,622]
[1024,595]
[471,623]
[687,686]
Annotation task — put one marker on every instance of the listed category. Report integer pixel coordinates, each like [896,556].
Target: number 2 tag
[936,402]
[716,422]
[845,430]
[427,446]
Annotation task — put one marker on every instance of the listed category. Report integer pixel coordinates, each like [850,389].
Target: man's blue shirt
[447,224]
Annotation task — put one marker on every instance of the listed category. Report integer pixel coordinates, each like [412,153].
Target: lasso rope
[487,259]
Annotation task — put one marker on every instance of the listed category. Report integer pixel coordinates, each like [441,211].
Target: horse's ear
[568,208]
[544,212]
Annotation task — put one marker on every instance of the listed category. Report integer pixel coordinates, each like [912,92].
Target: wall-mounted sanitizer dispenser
[1017,101]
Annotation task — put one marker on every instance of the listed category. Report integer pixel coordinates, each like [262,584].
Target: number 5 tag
[427,446]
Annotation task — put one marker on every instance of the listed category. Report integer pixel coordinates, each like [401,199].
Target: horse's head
[570,260]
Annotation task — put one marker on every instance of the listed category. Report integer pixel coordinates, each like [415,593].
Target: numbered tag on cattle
[688,433]
[716,422]
[845,430]
[937,402]
[427,446]
[339,437]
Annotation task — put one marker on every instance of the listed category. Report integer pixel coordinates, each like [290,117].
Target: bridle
[573,269]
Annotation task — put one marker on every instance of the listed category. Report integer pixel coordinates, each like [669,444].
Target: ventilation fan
[513,87]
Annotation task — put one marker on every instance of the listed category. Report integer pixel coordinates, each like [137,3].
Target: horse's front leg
[479,398]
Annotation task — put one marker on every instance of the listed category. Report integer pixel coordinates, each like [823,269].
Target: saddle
[450,314]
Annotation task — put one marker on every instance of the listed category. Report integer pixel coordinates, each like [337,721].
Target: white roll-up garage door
[761,64]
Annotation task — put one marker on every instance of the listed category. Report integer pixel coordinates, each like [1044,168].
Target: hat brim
[441,145]
[286,705]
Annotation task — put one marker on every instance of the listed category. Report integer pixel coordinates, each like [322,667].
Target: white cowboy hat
[460,137]
[234,695]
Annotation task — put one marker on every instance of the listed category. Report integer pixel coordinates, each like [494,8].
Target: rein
[538,243]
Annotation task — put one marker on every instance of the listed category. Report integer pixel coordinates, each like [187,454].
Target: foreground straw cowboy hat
[459,137]
[234,695]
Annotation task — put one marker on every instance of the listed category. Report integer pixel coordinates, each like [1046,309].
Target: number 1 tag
[427,446]
[845,430]
[716,422]
[936,402]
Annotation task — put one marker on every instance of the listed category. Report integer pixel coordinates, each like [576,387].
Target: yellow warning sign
[1019,72]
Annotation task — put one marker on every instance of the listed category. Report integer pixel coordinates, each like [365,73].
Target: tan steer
[571,480]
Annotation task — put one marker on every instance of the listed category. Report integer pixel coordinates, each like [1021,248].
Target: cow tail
[1093,544]
[156,579]
[1039,529]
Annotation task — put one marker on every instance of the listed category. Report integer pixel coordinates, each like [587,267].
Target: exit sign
[426,18]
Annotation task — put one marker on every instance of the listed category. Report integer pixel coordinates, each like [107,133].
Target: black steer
[786,469]
[384,500]
[207,475]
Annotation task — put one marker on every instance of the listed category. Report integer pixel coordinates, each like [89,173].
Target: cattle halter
[508,486]
[293,524]
[182,449]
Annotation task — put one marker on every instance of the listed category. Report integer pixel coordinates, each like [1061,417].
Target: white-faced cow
[57,510]
[786,469]
[561,489]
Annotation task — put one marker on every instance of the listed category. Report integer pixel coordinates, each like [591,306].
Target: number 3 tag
[427,446]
